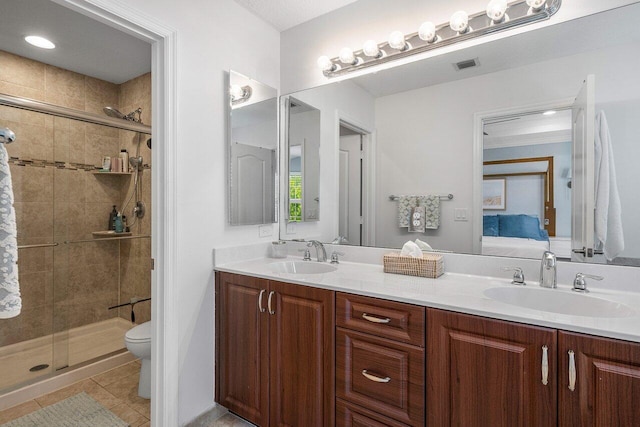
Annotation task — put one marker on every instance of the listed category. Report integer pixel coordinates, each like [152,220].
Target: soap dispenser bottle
[119,227]
[112,219]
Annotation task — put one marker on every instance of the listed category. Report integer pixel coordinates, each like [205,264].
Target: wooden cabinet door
[484,372]
[242,351]
[302,356]
[606,390]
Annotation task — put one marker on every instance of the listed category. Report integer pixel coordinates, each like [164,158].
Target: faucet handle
[518,275]
[334,257]
[580,284]
[307,254]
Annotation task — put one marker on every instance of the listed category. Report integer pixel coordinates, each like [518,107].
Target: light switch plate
[291,228]
[461,214]
[265,230]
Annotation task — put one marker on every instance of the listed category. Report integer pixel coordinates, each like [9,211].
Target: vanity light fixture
[240,94]
[40,42]
[549,113]
[429,36]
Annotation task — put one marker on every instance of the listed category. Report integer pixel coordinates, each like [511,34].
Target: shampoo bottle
[112,219]
[124,157]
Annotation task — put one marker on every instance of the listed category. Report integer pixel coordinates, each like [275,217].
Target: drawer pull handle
[545,365]
[375,378]
[572,370]
[260,307]
[269,304]
[375,319]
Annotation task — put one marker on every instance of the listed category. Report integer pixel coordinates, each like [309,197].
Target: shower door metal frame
[70,113]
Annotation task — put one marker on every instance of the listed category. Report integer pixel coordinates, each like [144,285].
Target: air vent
[469,63]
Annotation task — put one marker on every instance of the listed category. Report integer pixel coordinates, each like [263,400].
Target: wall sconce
[460,27]
[240,94]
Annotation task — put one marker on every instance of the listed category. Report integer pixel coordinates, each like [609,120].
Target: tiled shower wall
[58,200]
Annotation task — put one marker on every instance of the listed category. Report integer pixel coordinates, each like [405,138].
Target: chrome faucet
[320,252]
[548,276]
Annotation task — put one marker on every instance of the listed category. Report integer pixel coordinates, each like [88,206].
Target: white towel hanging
[608,212]
[10,301]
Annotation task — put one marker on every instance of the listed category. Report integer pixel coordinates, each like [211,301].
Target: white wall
[376,19]
[212,38]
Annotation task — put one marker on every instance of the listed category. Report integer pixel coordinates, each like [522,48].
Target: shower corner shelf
[112,234]
[98,172]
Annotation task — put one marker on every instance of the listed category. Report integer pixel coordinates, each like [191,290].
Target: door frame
[164,324]
[478,129]
[369,175]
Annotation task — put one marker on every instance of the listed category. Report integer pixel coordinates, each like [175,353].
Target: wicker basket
[430,265]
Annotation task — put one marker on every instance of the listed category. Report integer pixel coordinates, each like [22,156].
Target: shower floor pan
[74,347]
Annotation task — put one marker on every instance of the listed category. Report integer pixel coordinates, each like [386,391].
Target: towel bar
[442,197]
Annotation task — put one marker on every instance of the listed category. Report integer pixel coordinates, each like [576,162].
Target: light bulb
[370,48]
[496,10]
[396,40]
[427,32]
[346,56]
[459,21]
[536,4]
[325,64]
[236,92]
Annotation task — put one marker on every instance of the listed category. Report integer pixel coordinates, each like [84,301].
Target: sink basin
[558,301]
[301,267]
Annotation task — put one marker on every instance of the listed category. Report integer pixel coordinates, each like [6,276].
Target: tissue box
[430,265]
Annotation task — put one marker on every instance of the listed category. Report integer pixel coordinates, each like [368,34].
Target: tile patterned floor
[117,390]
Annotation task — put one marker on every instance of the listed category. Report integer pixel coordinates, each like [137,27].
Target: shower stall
[72,270]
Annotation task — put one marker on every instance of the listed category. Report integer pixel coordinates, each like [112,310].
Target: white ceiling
[82,44]
[284,14]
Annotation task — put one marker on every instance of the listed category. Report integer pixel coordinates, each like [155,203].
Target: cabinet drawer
[349,415]
[381,375]
[388,319]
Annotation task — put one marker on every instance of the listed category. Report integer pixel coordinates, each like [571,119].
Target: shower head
[7,136]
[112,112]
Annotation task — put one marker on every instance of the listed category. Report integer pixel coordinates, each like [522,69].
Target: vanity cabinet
[275,351]
[380,362]
[599,381]
[485,372]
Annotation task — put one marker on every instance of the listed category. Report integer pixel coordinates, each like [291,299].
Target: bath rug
[77,411]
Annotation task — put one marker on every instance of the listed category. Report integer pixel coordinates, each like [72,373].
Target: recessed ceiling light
[549,113]
[40,42]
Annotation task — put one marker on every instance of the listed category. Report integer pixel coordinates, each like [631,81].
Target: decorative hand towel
[10,301]
[431,206]
[608,220]
[416,222]
[405,206]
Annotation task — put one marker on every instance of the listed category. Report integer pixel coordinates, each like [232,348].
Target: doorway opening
[354,186]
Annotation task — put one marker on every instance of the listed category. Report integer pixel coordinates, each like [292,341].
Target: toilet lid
[141,332]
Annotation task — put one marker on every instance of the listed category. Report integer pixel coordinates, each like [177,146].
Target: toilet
[138,342]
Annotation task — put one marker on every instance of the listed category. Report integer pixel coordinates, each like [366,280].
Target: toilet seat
[140,333]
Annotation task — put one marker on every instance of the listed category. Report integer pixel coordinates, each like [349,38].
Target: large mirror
[438,137]
[253,143]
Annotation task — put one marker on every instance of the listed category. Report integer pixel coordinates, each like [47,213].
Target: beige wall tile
[21,91]
[21,71]
[100,94]
[64,87]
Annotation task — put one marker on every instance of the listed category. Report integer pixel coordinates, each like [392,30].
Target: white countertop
[456,292]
